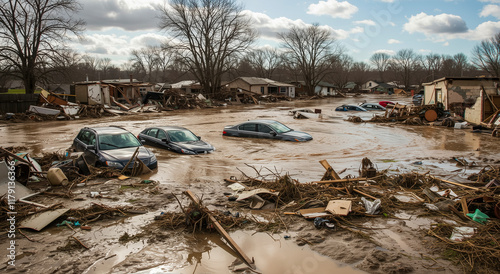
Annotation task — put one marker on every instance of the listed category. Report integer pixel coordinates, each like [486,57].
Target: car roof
[109,130]
[262,121]
[167,128]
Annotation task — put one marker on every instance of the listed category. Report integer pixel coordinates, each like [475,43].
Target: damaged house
[477,100]
[262,86]
[103,92]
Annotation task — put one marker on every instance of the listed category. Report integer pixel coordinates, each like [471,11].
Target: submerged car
[372,106]
[112,147]
[350,108]
[417,99]
[266,129]
[385,103]
[176,139]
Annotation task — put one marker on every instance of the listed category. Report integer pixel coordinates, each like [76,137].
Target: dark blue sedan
[176,139]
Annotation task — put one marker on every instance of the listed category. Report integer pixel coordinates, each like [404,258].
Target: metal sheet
[39,221]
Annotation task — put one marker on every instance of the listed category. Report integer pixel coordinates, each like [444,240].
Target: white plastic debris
[460,233]
[371,207]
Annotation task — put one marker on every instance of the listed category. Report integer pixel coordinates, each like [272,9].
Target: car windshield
[181,136]
[279,127]
[115,141]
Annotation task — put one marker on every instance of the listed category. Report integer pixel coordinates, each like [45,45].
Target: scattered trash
[56,177]
[372,208]
[320,222]
[478,216]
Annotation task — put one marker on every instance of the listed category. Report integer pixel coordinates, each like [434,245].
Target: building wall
[239,83]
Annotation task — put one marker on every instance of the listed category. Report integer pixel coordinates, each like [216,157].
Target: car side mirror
[164,140]
[199,137]
[143,141]
[90,147]
[272,133]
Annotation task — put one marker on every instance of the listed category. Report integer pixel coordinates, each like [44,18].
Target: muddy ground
[132,244]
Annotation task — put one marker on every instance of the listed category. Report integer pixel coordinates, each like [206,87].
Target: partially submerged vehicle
[350,108]
[176,139]
[385,103]
[112,147]
[269,129]
[372,106]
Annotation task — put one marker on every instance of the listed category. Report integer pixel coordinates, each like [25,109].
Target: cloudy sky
[363,27]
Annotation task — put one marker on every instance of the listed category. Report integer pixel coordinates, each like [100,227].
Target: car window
[181,136]
[248,127]
[162,135]
[91,139]
[87,137]
[115,141]
[279,127]
[152,132]
[263,128]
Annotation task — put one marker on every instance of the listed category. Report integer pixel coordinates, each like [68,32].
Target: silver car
[269,129]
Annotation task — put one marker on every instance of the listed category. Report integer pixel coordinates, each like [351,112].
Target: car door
[90,143]
[248,130]
[161,136]
[149,136]
[264,131]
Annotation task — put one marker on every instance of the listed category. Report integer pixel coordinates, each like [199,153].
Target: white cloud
[490,1]
[333,8]
[268,27]
[425,51]
[387,51]
[394,41]
[357,30]
[446,43]
[493,10]
[435,24]
[125,14]
[365,22]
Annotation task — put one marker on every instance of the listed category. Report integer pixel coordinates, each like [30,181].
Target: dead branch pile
[486,175]
[355,119]
[474,253]
[97,212]
[177,99]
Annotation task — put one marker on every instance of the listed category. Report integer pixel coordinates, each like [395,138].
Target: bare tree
[264,61]
[381,62]
[486,55]
[144,61]
[309,49]
[341,70]
[209,33]
[405,63]
[360,73]
[32,33]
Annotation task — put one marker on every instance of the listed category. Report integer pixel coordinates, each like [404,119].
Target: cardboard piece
[39,221]
[311,213]
[339,207]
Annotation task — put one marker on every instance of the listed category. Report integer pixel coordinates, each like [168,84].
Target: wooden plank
[465,208]
[453,183]
[367,195]
[221,231]
[329,169]
[340,181]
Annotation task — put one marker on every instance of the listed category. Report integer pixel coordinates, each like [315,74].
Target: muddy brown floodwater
[342,143]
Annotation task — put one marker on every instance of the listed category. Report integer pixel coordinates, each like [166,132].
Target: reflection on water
[272,255]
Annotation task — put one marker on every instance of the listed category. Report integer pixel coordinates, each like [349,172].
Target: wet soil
[397,245]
